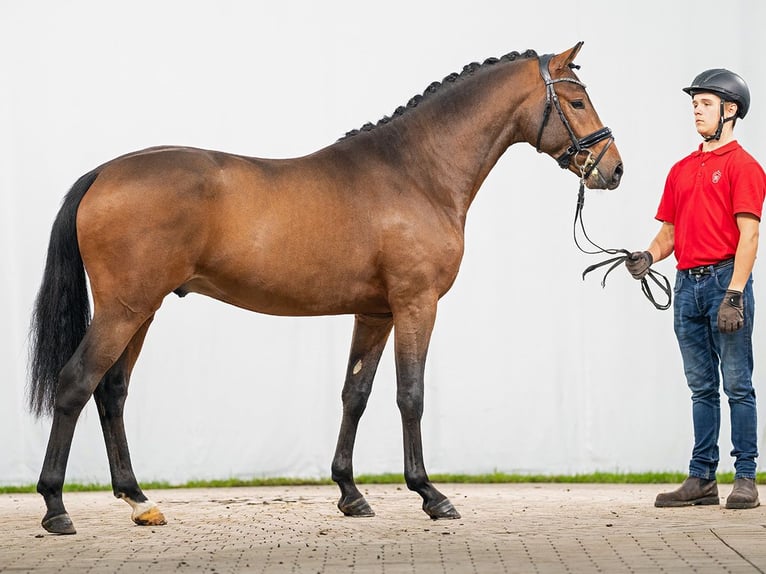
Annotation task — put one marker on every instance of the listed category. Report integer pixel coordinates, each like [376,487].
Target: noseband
[582,144]
[578,146]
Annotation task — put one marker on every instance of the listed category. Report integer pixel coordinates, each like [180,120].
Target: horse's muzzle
[602,176]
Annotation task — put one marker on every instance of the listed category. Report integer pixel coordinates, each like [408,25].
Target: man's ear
[731,109]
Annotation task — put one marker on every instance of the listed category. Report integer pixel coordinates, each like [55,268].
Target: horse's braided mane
[434,87]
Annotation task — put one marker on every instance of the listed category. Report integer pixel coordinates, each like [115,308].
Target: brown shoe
[693,491]
[744,494]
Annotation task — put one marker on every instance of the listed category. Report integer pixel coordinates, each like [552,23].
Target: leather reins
[657,278]
[586,168]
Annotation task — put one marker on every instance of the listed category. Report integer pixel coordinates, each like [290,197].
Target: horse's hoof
[59,524]
[150,517]
[358,507]
[442,510]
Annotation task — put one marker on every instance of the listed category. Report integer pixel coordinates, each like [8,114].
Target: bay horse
[371,225]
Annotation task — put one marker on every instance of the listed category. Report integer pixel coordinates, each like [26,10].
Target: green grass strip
[397,478]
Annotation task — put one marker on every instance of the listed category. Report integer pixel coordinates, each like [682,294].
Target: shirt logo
[716,176]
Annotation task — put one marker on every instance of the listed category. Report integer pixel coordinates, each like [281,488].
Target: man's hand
[731,313]
[638,263]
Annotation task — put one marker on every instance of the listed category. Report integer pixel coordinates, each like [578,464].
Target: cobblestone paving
[535,528]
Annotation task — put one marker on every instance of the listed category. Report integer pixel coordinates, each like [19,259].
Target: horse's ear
[563,60]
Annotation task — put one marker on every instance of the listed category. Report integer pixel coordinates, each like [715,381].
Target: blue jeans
[706,352]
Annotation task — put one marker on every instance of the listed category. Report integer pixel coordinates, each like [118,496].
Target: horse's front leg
[368,342]
[412,336]
[110,398]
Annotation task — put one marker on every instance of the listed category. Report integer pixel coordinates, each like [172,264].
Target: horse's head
[570,130]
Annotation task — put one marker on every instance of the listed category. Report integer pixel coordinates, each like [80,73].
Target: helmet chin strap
[721,121]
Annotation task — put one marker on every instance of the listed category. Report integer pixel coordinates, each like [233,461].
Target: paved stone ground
[505,528]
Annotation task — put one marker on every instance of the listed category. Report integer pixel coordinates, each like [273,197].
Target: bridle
[579,146]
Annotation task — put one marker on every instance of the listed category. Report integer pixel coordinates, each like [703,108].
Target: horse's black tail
[62,311]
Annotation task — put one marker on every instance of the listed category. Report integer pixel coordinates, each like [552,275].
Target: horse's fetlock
[415,481]
[127,489]
[341,476]
[45,488]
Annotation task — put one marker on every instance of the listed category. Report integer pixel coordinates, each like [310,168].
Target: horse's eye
[577,104]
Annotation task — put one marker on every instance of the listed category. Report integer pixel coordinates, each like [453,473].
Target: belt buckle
[700,271]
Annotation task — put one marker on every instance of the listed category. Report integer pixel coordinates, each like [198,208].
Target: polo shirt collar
[729,147]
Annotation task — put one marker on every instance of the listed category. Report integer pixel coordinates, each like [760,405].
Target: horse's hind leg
[102,345]
[110,398]
[369,340]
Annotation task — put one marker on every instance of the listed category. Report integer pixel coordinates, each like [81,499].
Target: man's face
[707,108]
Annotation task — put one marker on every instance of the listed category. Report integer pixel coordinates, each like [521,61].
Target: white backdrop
[587,379]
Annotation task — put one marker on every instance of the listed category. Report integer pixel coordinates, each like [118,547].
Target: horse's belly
[293,292]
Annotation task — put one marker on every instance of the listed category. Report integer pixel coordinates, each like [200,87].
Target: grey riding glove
[731,313]
[638,263]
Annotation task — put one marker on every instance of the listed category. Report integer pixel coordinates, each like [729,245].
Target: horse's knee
[355,399]
[410,402]
[355,407]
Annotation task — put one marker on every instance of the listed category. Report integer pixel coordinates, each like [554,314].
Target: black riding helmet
[727,85]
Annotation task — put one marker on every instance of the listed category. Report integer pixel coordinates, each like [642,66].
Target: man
[710,212]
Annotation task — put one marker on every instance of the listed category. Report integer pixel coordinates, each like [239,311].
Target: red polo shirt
[703,192]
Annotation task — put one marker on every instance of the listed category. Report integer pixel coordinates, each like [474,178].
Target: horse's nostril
[617,174]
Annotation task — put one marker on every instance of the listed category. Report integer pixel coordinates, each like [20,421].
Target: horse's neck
[453,140]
